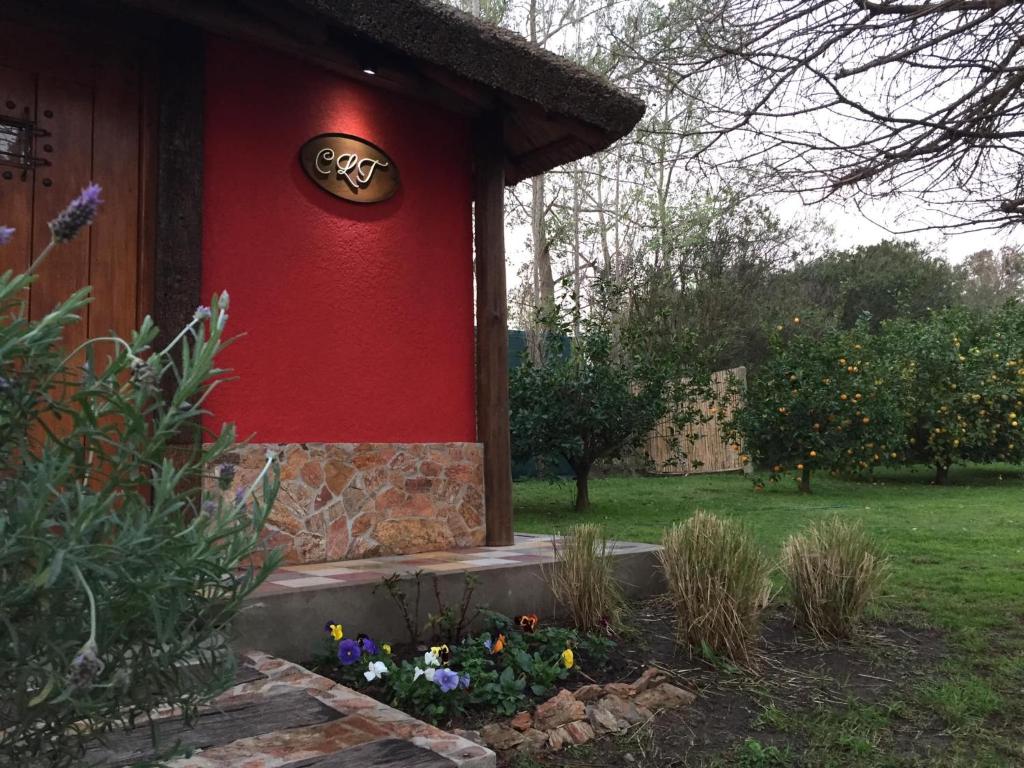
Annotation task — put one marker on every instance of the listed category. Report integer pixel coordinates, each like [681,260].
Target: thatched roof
[555,110]
[486,54]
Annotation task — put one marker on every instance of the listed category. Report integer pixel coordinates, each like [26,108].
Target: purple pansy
[348,652]
[367,645]
[464,681]
[6,233]
[446,680]
[79,213]
[488,644]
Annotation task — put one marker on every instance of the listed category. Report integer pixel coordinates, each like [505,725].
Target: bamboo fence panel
[708,451]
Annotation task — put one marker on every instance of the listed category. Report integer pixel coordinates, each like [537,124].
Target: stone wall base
[343,501]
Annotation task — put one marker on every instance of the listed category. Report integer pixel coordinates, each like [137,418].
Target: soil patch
[793,675]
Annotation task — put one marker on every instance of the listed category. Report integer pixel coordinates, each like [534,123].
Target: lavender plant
[121,566]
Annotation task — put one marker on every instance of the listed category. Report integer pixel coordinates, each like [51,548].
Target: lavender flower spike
[79,213]
[6,233]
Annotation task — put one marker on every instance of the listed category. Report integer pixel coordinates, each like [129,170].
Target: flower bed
[496,672]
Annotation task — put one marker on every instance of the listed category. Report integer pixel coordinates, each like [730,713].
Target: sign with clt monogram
[349,167]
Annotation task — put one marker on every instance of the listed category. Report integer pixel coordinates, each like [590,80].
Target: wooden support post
[492,328]
[179,227]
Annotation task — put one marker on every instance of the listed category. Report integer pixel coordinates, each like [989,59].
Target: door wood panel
[18,101]
[87,95]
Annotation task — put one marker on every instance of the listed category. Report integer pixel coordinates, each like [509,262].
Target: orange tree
[822,401]
[960,377]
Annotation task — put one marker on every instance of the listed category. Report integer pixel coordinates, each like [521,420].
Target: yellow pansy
[336,631]
[567,658]
[386,647]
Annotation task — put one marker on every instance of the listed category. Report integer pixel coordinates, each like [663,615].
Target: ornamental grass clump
[583,579]
[719,582]
[834,571]
[122,561]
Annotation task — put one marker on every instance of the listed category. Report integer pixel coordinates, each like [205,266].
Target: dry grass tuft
[583,580]
[834,570]
[719,582]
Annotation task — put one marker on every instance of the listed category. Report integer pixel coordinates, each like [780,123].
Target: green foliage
[120,568]
[960,378]
[886,280]
[712,248]
[602,397]
[961,700]
[719,582]
[822,401]
[754,754]
[833,570]
[497,670]
[582,578]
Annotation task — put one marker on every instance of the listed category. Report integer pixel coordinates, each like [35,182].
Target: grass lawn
[958,566]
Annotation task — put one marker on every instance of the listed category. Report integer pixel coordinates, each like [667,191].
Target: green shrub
[119,568]
[960,375]
[583,578]
[719,582]
[833,571]
[822,401]
[601,381]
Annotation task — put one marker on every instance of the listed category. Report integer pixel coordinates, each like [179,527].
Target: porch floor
[528,550]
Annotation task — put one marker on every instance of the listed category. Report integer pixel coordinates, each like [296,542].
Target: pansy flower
[499,645]
[488,644]
[367,646]
[464,681]
[334,630]
[427,673]
[567,658]
[431,659]
[446,680]
[527,622]
[349,652]
[375,671]
[443,653]
[386,647]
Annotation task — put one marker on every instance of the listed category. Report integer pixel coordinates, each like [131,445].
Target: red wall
[358,318]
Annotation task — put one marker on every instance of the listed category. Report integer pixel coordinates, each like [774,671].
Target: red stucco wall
[358,318]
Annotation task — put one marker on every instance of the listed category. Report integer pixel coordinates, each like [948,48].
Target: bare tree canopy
[863,99]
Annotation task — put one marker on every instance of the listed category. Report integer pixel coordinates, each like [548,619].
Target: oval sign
[349,167]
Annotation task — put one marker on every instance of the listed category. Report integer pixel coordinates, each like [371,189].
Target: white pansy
[375,671]
[431,659]
[427,673]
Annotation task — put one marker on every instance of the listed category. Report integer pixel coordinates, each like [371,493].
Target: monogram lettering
[349,167]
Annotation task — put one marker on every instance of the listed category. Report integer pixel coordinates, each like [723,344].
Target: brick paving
[365,731]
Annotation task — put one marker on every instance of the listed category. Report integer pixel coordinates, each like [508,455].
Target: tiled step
[284,716]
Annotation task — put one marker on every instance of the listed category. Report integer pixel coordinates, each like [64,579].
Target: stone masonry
[343,501]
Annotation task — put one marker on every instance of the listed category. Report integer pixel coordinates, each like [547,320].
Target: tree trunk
[582,489]
[804,485]
[545,297]
[941,474]
[577,272]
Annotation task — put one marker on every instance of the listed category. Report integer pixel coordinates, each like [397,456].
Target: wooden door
[72,110]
